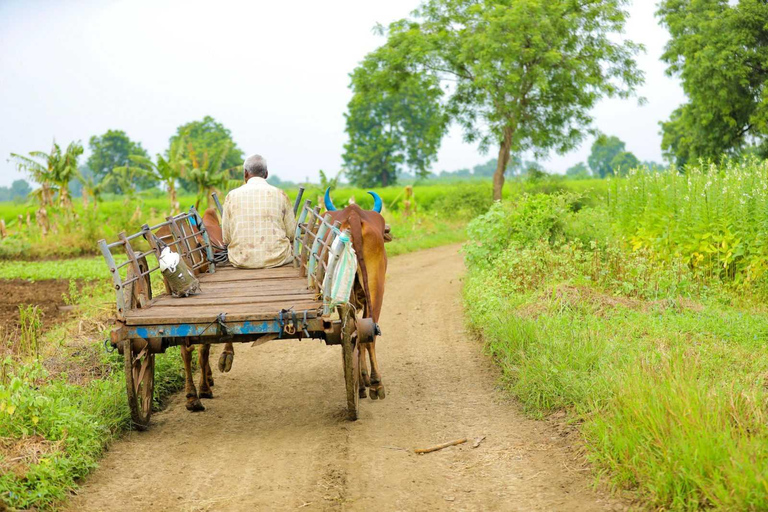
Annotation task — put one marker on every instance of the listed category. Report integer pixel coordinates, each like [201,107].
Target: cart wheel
[139,383]
[139,364]
[350,353]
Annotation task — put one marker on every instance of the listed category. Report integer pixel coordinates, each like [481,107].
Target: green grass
[66,398]
[662,366]
[90,268]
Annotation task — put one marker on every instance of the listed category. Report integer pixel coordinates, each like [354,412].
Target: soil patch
[46,295]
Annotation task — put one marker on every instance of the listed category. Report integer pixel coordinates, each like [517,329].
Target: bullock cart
[232,305]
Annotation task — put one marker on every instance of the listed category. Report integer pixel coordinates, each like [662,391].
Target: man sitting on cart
[258,222]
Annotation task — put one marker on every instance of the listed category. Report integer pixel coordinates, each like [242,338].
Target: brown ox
[213,227]
[368,232]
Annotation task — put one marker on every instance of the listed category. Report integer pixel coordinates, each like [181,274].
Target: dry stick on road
[440,446]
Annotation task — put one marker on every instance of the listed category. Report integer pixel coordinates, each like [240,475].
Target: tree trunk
[501,163]
[174,200]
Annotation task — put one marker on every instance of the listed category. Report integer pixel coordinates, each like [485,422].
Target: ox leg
[205,370]
[226,357]
[377,388]
[193,402]
[365,380]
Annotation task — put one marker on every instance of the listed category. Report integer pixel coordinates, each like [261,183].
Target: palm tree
[66,171]
[125,178]
[53,171]
[167,171]
[91,190]
[206,172]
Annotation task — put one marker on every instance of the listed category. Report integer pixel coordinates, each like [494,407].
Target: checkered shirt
[258,225]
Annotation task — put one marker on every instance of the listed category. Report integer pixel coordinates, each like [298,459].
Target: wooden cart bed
[240,294]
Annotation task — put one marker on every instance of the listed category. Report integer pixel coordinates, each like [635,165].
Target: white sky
[274,73]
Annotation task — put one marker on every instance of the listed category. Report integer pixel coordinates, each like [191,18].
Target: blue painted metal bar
[212,329]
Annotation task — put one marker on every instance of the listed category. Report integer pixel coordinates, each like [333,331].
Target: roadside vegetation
[642,315]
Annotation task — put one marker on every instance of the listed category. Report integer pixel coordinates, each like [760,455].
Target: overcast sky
[274,73]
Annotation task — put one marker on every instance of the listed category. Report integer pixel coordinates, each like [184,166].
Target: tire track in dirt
[275,437]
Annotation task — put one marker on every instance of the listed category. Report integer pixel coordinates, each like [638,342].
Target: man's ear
[266,174]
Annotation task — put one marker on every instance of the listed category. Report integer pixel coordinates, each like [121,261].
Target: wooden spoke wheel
[350,354]
[139,361]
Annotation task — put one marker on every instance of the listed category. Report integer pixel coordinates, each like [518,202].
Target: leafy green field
[644,318]
[77,235]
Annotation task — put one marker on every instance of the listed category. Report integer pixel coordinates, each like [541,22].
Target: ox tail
[356,230]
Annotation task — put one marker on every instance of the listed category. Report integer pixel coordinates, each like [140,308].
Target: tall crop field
[640,313]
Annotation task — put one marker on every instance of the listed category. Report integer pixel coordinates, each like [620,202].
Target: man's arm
[289,219]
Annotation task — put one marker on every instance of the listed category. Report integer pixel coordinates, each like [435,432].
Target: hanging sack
[180,279]
[343,277]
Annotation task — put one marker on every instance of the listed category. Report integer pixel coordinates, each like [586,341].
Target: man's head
[255,166]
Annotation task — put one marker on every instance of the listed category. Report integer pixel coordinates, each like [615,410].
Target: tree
[391,124]
[719,50]
[205,137]
[580,171]
[114,149]
[604,150]
[20,189]
[624,162]
[166,170]
[522,74]
[53,171]
[90,188]
[206,173]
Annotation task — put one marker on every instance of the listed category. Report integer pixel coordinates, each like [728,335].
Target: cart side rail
[184,233]
[315,234]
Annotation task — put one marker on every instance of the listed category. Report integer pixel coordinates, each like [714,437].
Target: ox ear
[328,203]
[377,203]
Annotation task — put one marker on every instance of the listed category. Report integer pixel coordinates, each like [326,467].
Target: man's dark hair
[255,165]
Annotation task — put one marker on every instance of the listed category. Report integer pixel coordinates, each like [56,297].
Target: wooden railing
[184,233]
[315,234]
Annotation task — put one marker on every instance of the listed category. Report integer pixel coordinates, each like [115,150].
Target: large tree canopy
[203,141]
[391,124]
[719,49]
[114,149]
[605,150]
[518,74]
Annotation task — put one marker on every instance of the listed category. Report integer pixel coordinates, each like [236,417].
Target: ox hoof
[361,393]
[195,405]
[206,394]
[377,392]
[225,362]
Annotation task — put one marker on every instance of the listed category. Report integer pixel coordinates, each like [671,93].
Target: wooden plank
[278,271]
[224,294]
[218,277]
[202,300]
[205,314]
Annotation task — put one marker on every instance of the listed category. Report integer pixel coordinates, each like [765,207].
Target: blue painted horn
[376,201]
[328,203]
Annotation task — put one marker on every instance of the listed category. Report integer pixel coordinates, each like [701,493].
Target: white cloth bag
[343,277]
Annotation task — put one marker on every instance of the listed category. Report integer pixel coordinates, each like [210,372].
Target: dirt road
[275,437]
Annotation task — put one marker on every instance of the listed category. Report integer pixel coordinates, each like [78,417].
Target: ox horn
[328,203]
[376,201]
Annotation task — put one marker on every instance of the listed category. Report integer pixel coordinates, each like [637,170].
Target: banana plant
[53,171]
[167,171]
[206,171]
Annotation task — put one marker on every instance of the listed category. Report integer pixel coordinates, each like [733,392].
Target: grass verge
[664,372]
